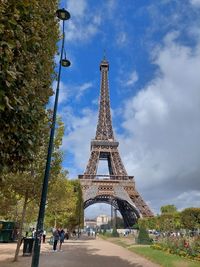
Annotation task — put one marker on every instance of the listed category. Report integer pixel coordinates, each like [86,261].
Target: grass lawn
[157,256]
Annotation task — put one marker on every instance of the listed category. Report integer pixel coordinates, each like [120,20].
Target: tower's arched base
[121,194]
[128,212]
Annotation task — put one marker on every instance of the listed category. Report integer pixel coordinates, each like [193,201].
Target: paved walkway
[77,253]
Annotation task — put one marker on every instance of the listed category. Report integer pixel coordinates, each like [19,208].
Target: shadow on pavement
[76,256]
[73,255]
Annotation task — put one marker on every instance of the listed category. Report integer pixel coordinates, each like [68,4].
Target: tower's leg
[93,163]
[116,163]
[142,206]
[127,213]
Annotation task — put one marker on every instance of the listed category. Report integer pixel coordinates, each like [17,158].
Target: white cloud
[109,8]
[78,31]
[57,59]
[63,92]
[127,79]
[86,20]
[82,88]
[195,2]
[194,32]
[77,8]
[121,38]
[83,24]
[132,79]
[161,146]
[68,91]
[80,131]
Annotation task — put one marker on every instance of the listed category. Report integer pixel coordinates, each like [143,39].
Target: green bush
[115,233]
[143,237]
[136,226]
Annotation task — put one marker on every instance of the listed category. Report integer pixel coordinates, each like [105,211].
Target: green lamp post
[63,15]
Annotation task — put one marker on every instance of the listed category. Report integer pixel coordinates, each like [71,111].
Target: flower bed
[188,248]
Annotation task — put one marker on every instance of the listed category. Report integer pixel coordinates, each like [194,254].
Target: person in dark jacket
[56,237]
[62,237]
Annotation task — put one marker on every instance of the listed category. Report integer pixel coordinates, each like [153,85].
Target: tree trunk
[19,242]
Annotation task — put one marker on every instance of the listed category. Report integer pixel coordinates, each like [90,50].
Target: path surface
[77,253]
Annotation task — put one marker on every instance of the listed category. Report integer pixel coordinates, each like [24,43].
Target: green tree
[58,202]
[26,185]
[164,222]
[148,223]
[14,184]
[190,218]
[77,214]
[65,204]
[8,203]
[169,222]
[28,36]
[114,232]
[168,209]
[143,236]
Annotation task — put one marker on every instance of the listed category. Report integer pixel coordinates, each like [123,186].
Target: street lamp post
[63,15]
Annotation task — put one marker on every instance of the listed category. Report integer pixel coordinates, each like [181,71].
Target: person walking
[67,235]
[56,237]
[44,236]
[62,237]
[33,233]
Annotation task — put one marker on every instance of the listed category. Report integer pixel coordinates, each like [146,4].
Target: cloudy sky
[153,48]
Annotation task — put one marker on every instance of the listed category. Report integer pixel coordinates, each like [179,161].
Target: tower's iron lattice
[117,188]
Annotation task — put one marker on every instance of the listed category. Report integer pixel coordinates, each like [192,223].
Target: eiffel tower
[117,188]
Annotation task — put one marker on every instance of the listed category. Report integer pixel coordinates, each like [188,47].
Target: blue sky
[153,48]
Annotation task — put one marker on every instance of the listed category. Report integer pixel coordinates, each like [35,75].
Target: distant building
[90,223]
[102,220]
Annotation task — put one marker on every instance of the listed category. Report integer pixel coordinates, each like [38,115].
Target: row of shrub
[188,248]
[112,233]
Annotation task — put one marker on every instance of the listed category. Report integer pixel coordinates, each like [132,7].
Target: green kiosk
[7,230]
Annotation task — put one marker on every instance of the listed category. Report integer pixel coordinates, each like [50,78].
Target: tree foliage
[172,220]
[190,218]
[168,222]
[16,185]
[168,209]
[147,223]
[65,204]
[28,36]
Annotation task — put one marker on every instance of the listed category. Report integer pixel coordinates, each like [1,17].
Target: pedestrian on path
[33,233]
[67,235]
[62,237]
[44,236]
[56,237]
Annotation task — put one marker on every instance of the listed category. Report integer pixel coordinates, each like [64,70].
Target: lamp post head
[63,14]
[65,62]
